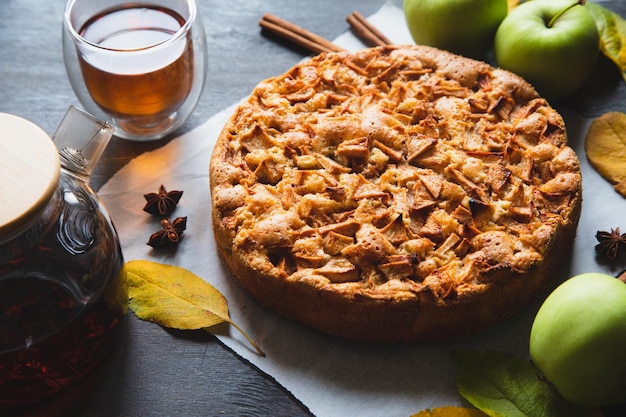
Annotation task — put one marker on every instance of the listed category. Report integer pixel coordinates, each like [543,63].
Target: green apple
[578,340]
[553,44]
[465,27]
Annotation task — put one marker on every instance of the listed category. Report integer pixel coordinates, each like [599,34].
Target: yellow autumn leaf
[451,411]
[176,298]
[513,4]
[605,145]
[612,29]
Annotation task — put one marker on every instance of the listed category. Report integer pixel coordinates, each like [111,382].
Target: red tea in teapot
[62,296]
[59,316]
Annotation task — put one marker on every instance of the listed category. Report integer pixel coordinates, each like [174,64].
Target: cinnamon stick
[365,31]
[297,35]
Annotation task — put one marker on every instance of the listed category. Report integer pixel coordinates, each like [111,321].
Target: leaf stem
[559,14]
[255,343]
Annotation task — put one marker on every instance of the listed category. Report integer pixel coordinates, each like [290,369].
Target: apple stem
[622,277]
[559,14]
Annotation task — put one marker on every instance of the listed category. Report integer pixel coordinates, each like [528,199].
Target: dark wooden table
[152,371]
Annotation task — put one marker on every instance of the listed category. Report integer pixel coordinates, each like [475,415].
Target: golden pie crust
[399,193]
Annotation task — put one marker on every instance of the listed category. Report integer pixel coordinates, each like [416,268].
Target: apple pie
[398,193]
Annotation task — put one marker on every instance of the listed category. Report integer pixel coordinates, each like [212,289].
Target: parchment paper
[330,376]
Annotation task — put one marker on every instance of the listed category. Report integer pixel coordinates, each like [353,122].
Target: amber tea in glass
[136,91]
[141,64]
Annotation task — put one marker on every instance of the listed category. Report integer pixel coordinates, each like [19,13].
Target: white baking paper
[332,377]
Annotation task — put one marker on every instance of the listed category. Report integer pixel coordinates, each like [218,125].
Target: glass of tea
[140,65]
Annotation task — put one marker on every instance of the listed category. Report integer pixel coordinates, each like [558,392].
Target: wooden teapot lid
[29,173]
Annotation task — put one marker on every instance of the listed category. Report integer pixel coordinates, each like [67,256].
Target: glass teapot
[62,293]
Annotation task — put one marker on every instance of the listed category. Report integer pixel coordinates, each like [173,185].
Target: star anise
[611,243]
[170,235]
[163,202]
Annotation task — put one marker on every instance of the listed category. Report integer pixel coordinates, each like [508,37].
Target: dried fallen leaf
[451,411]
[612,28]
[174,297]
[605,146]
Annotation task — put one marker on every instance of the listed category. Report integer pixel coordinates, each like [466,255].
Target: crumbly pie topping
[395,172]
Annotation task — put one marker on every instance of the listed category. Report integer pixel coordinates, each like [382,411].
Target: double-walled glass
[141,66]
